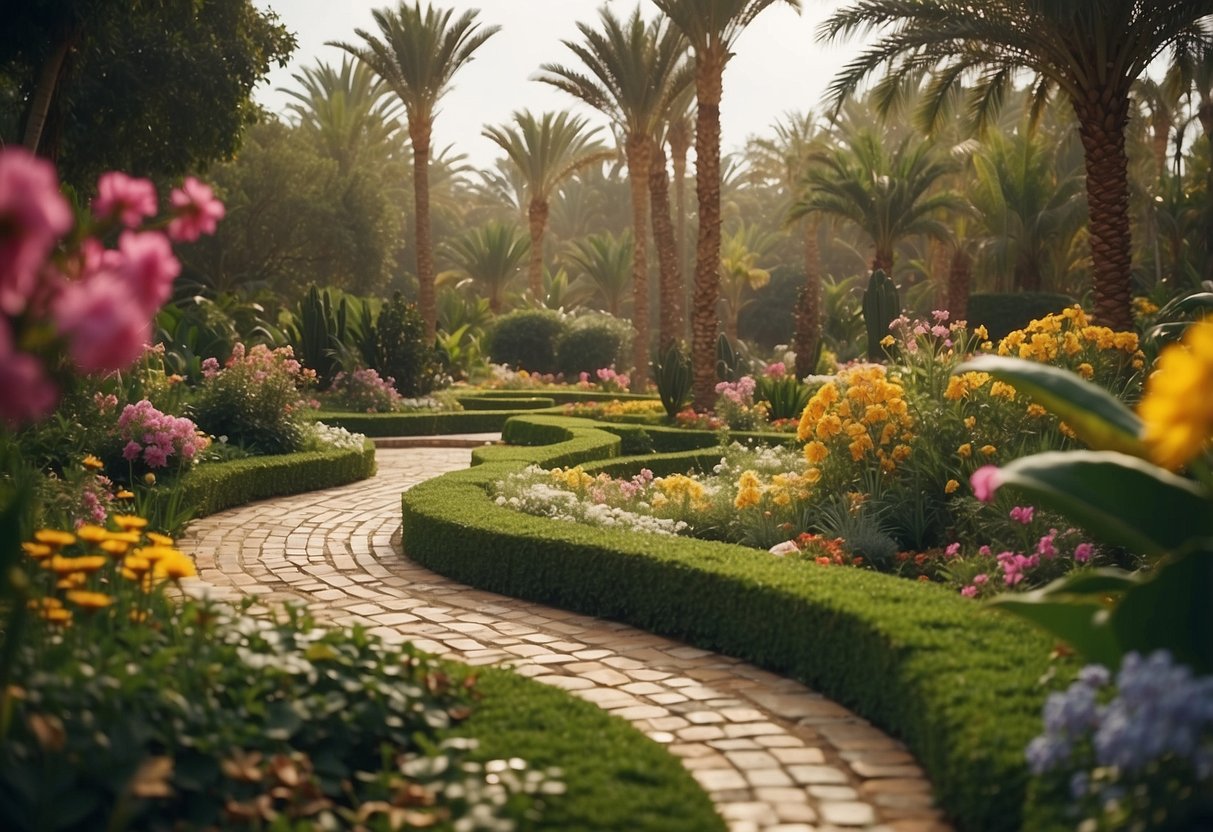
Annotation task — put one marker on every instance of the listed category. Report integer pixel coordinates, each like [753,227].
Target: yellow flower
[57,615]
[1002,390]
[965,450]
[815,452]
[1036,410]
[149,478]
[970,422]
[950,487]
[91,534]
[37,550]
[1177,407]
[812,475]
[175,567]
[54,538]
[981,332]
[92,462]
[125,495]
[159,539]
[129,522]
[135,567]
[89,600]
[1086,371]
[989,450]
[888,341]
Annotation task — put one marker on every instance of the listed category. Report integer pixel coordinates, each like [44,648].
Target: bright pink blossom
[1082,552]
[146,260]
[1023,514]
[33,216]
[26,393]
[125,197]
[196,211]
[985,481]
[106,329]
[969,591]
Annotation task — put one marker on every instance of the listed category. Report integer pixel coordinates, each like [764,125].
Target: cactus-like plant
[728,362]
[672,375]
[881,304]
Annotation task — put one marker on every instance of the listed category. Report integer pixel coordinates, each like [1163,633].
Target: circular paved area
[773,755]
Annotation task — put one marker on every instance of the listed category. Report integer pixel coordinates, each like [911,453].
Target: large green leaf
[1173,610]
[1119,498]
[1079,622]
[1099,418]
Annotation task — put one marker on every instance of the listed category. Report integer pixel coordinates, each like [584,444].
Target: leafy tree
[545,151]
[157,88]
[1092,50]
[711,28]
[417,56]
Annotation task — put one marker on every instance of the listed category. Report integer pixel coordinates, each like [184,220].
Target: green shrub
[254,401]
[593,342]
[1001,313]
[526,339]
[403,353]
[956,681]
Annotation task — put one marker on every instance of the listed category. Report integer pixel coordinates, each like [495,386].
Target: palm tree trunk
[537,220]
[1027,276]
[807,340]
[680,144]
[709,72]
[420,136]
[1102,118]
[959,282]
[670,277]
[44,93]
[883,260]
[638,149]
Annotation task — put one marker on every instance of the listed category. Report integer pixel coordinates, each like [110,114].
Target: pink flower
[33,215]
[980,580]
[1082,552]
[1045,547]
[196,211]
[985,481]
[775,370]
[1023,514]
[26,394]
[125,197]
[106,329]
[969,591]
[146,260]
[940,315]
[952,550]
[131,451]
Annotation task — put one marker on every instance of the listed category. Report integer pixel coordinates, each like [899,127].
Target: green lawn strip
[616,778]
[956,681]
[219,485]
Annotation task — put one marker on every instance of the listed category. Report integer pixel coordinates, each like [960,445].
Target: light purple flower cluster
[155,437]
[363,390]
[1160,712]
[930,334]
[738,392]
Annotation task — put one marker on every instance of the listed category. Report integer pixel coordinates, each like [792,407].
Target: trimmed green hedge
[617,778]
[219,485]
[419,424]
[562,395]
[956,681]
[503,403]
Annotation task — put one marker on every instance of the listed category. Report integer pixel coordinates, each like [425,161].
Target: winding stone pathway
[772,754]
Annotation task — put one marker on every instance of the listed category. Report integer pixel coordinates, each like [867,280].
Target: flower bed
[955,681]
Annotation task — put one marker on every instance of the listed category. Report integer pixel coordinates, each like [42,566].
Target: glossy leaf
[1080,623]
[1099,418]
[1172,610]
[1121,499]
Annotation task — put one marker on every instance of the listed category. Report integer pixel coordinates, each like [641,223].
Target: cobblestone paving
[772,754]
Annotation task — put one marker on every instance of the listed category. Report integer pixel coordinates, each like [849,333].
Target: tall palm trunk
[807,339]
[1102,118]
[680,144]
[883,260]
[638,149]
[709,72]
[44,92]
[537,220]
[420,136]
[959,283]
[670,277]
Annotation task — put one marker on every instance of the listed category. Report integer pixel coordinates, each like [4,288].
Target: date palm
[417,52]
[711,28]
[630,71]
[604,259]
[545,150]
[490,257]
[1092,50]
[740,252]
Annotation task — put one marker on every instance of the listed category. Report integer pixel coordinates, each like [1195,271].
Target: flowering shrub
[501,377]
[617,411]
[256,399]
[363,391]
[152,438]
[735,405]
[63,292]
[322,437]
[1069,340]
[689,419]
[608,380]
[1134,755]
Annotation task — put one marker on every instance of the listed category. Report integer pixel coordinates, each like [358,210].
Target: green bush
[1002,313]
[593,342]
[955,680]
[254,401]
[526,339]
[403,353]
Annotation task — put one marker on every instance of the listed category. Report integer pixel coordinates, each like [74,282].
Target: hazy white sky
[778,65]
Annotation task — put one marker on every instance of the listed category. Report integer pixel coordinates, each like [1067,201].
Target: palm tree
[1092,50]
[605,260]
[489,256]
[630,71]
[711,27]
[739,270]
[888,196]
[419,53]
[545,151]
[669,266]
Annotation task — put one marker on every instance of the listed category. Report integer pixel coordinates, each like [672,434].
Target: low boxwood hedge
[562,395]
[419,424]
[219,485]
[957,682]
[504,403]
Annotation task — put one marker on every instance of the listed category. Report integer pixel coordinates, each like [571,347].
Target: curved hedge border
[562,395]
[478,402]
[955,681]
[419,424]
[219,485]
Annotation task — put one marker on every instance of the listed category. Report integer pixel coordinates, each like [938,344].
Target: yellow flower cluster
[81,564]
[1070,340]
[1144,307]
[864,411]
[575,479]
[679,488]
[782,490]
[1177,407]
